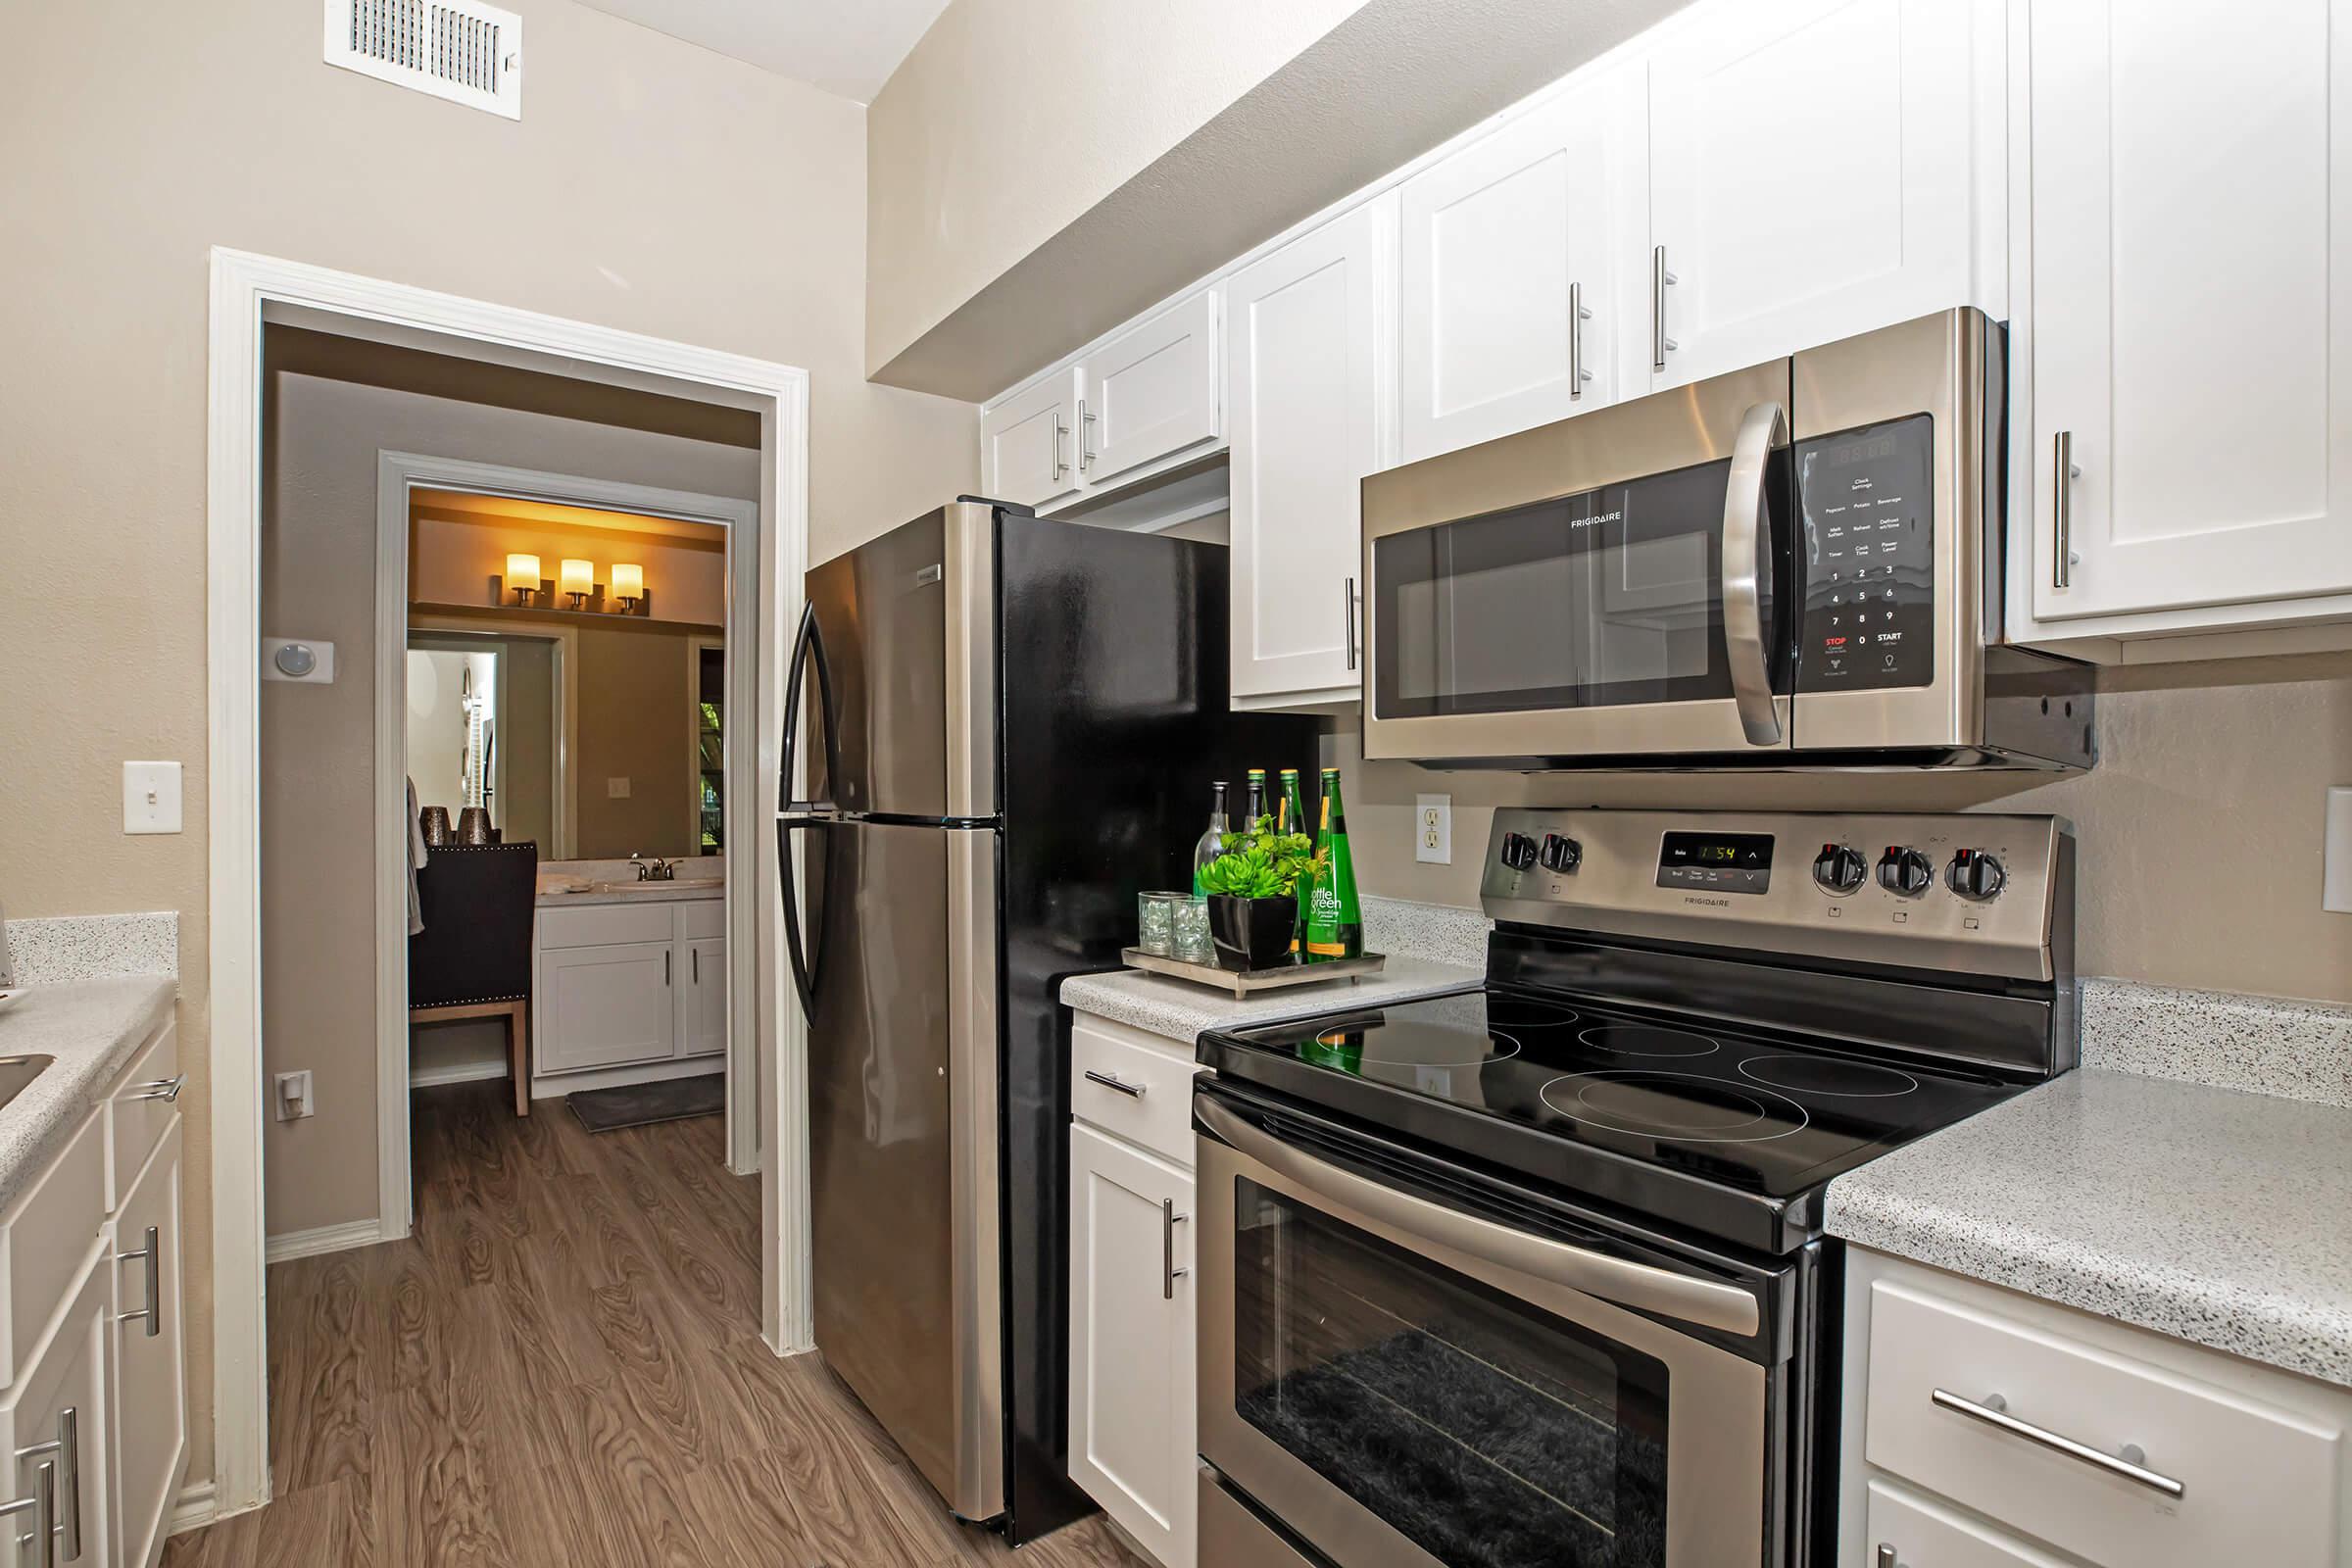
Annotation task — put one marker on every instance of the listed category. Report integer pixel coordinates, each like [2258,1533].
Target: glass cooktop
[1687,1119]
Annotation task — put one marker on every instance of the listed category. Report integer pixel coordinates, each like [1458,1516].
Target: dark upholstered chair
[473,958]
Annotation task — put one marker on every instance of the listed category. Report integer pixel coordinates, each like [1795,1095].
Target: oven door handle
[1748,572]
[1670,1295]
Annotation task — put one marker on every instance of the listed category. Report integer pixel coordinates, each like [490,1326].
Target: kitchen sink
[17,1074]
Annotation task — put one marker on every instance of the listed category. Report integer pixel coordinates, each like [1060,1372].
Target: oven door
[1613,585]
[1402,1382]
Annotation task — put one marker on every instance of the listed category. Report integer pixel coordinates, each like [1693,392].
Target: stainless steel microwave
[1798,565]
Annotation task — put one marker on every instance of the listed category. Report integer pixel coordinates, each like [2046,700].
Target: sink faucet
[655,870]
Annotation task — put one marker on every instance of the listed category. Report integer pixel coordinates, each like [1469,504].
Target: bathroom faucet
[655,870]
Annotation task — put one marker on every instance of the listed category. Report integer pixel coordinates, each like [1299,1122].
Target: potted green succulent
[1254,889]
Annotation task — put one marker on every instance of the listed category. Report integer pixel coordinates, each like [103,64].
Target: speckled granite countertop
[2208,1214]
[91,1027]
[634,893]
[1180,1010]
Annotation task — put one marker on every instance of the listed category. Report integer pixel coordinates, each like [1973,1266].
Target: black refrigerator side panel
[1113,669]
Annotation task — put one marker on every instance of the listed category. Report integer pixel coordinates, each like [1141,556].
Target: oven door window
[1601,600]
[1491,1433]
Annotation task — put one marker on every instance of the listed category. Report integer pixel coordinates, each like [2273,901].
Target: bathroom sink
[681,885]
[17,1074]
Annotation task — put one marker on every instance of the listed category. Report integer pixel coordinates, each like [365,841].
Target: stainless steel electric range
[1534,1276]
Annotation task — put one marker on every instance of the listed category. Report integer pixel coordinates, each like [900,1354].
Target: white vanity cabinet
[2187,466]
[93,1388]
[1817,168]
[1986,1428]
[1307,373]
[1133,1440]
[627,986]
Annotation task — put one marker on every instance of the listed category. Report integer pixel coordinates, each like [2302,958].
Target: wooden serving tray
[1243,982]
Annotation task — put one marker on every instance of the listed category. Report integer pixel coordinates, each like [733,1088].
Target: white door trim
[397,473]
[245,290]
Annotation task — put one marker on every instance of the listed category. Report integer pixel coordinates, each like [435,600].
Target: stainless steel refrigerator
[1010,726]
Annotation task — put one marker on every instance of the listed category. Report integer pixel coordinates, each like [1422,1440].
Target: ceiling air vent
[454,49]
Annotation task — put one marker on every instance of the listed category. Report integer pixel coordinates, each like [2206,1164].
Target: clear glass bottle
[1256,801]
[1211,842]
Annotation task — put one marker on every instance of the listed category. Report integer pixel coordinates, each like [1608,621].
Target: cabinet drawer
[138,1113]
[605,925]
[1156,1108]
[45,1240]
[1925,1535]
[702,917]
[2258,1483]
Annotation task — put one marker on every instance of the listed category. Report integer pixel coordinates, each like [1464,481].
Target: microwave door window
[1477,615]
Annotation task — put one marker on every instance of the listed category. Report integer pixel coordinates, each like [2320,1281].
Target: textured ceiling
[848,47]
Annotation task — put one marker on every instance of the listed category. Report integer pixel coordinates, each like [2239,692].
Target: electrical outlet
[294,1096]
[616,789]
[1432,829]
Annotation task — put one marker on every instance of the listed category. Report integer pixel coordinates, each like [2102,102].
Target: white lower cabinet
[151,1427]
[54,1420]
[1132,1421]
[703,1000]
[629,985]
[1983,1428]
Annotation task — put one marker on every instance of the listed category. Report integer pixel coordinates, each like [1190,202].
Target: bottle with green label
[1335,922]
[1289,817]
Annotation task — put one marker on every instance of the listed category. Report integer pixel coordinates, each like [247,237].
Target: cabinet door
[68,1374]
[603,1006]
[1508,312]
[151,1412]
[703,999]
[1132,1421]
[1925,1535]
[1812,174]
[1150,392]
[1304,377]
[1026,455]
[2192,325]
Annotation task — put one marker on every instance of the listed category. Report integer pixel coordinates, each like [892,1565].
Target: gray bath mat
[604,1110]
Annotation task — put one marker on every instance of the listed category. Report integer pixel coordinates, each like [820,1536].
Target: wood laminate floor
[561,1368]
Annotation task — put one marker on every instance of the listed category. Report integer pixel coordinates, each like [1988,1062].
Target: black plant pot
[1252,933]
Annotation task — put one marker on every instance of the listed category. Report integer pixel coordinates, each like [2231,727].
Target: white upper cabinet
[2191,325]
[1508,308]
[1150,393]
[1026,451]
[1306,377]
[1814,171]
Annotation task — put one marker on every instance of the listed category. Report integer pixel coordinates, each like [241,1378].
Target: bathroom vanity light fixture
[579,581]
[629,585]
[522,576]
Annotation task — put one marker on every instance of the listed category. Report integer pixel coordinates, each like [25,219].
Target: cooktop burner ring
[1659,1040]
[1823,1072]
[1336,1039]
[1742,1106]
[1527,1013]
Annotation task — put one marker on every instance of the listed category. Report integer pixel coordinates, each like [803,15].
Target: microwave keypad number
[1866,498]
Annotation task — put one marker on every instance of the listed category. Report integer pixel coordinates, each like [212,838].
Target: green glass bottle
[1291,817]
[1335,922]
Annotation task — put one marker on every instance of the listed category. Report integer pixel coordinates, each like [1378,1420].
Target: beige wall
[2199,832]
[651,186]
[1012,117]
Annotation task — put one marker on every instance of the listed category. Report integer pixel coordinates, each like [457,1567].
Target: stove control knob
[1907,872]
[1839,869]
[1561,853]
[1518,850]
[1975,874]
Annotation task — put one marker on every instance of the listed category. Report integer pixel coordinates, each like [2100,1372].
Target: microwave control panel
[1867,501]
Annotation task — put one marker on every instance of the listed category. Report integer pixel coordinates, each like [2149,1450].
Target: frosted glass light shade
[628,582]
[578,577]
[523,572]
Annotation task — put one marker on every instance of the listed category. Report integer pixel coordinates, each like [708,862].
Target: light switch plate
[2335,877]
[616,789]
[1432,829]
[150,797]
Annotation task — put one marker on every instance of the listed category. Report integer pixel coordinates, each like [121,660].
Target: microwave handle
[1748,572]
[1611,1279]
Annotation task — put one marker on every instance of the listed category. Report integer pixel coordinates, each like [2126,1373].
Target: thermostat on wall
[298,659]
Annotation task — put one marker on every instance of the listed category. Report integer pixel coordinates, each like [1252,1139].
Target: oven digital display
[1716,862]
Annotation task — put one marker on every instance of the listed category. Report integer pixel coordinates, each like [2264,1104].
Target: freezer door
[907,629]
[903,1083]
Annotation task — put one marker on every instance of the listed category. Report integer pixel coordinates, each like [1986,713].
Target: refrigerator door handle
[808,642]
[805,964]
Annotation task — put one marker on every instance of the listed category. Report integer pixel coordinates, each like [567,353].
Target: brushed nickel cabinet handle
[1887,1557]
[1577,316]
[1660,279]
[43,1507]
[1059,431]
[666,968]
[1348,619]
[165,1090]
[1170,1273]
[1994,1412]
[696,955]
[2063,475]
[1085,438]
[67,1447]
[1113,1081]
[152,1254]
